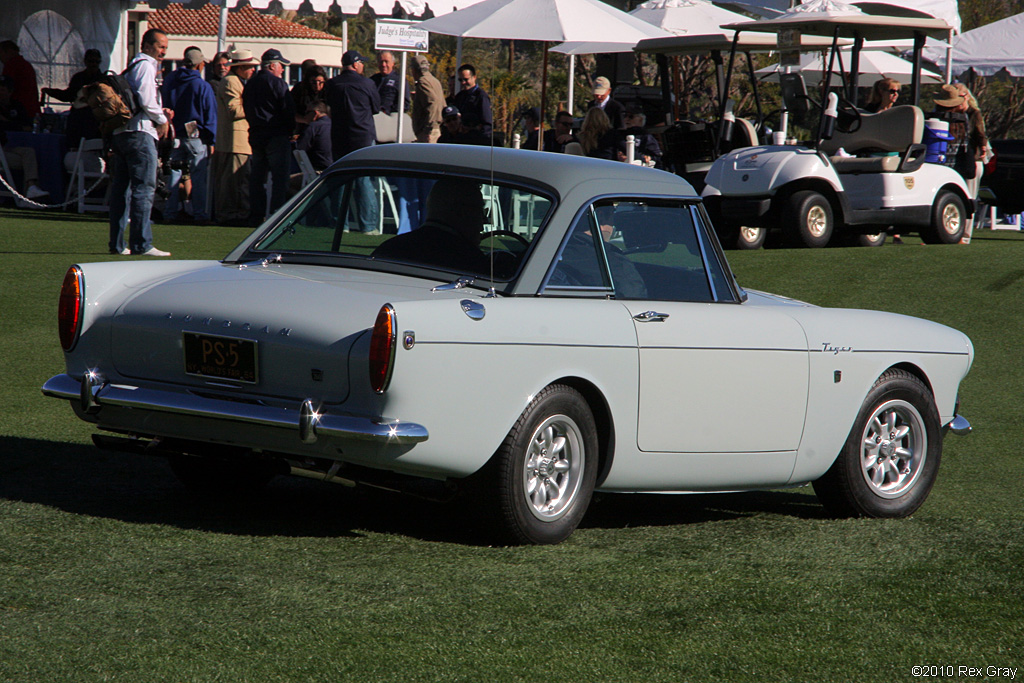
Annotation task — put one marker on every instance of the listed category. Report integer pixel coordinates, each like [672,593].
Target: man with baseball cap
[353,100]
[270,111]
[603,100]
[195,130]
[231,156]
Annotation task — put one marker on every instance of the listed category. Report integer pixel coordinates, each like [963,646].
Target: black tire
[221,476]
[949,219]
[875,240]
[807,219]
[887,466]
[546,468]
[750,238]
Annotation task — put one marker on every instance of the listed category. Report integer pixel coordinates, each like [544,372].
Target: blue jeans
[366,198]
[273,157]
[132,188]
[193,153]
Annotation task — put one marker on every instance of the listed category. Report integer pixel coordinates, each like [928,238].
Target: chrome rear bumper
[308,423]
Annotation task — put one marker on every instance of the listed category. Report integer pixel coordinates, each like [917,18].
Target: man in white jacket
[135,157]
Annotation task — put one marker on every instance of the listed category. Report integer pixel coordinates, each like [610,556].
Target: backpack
[112,100]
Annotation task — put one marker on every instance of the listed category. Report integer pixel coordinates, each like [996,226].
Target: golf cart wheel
[807,219]
[750,237]
[949,219]
[876,240]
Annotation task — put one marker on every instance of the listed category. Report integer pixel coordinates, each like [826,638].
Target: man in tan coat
[231,155]
[428,103]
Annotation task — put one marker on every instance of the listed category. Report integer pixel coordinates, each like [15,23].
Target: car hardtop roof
[849,25]
[562,172]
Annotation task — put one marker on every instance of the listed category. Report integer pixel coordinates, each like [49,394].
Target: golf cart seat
[898,130]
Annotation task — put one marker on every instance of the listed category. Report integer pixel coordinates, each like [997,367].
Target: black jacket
[269,108]
[353,101]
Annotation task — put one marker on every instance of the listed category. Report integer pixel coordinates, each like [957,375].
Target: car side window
[654,250]
[580,267]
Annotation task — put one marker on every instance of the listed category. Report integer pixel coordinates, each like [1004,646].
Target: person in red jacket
[26,89]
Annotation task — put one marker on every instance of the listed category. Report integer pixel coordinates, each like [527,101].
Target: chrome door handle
[650,317]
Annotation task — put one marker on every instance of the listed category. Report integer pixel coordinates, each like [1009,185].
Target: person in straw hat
[231,155]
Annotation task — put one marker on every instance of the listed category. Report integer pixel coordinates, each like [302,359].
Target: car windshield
[459,224]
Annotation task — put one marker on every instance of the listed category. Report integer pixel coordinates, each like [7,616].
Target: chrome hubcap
[951,219]
[554,467]
[893,449]
[750,235]
[816,221]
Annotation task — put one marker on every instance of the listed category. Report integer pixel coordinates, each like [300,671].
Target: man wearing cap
[457,133]
[270,111]
[427,103]
[473,102]
[353,101]
[231,156]
[81,122]
[603,100]
[135,155]
[195,130]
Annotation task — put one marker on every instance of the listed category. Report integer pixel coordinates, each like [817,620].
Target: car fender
[849,350]
[762,171]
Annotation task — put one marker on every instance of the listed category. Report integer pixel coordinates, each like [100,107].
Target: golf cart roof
[848,25]
[751,42]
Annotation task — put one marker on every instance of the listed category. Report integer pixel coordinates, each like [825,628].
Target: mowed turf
[111,571]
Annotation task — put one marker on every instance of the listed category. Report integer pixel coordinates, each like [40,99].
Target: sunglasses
[894,91]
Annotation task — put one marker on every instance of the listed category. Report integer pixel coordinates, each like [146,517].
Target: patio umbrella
[546,21]
[873,65]
[675,17]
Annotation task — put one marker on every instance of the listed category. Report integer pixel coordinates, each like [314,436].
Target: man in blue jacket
[353,100]
[270,111]
[195,129]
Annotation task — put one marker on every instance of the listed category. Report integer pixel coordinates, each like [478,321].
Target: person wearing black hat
[353,100]
[81,123]
[455,131]
[270,111]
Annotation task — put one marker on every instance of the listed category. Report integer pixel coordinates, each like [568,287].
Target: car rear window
[460,224]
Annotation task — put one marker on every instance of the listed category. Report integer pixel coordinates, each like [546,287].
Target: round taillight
[69,308]
[382,349]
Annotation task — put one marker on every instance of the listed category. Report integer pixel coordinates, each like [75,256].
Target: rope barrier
[22,198]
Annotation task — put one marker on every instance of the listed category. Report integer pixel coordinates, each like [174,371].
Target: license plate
[221,357]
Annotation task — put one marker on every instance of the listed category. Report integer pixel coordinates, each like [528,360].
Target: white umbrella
[873,66]
[675,17]
[546,21]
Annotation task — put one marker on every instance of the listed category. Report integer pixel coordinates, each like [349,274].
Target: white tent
[987,49]
[873,65]
[947,10]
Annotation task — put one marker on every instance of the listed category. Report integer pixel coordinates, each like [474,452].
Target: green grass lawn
[111,571]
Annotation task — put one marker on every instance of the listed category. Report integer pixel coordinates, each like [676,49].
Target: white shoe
[35,192]
[153,251]
[126,252]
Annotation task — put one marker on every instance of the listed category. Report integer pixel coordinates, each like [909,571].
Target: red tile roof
[244,22]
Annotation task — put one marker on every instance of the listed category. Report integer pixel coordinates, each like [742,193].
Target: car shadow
[138,489]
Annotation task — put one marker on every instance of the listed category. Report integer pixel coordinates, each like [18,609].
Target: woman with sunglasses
[883,95]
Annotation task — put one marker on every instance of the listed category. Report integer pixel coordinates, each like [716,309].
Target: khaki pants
[429,135]
[231,186]
[23,159]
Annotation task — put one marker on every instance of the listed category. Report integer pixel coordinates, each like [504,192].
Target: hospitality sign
[393,34]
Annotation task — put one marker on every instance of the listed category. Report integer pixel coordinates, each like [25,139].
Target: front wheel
[891,458]
[547,468]
[807,219]
[948,220]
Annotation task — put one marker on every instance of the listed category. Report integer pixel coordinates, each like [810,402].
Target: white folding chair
[89,172]
[306,166]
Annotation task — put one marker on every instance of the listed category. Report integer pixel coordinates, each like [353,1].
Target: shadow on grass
[82,479]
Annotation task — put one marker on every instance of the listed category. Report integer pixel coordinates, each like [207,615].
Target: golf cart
[860,173]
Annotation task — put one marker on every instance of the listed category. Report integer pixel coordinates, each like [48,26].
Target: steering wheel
[848,118]
[508,233]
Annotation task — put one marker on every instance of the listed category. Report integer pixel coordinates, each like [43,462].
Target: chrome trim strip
[327,424]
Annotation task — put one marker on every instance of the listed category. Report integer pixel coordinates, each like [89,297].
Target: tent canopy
[987,49]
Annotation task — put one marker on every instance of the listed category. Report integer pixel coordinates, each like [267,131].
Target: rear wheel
[949,218]
[891,458]
[876,240]
[807,219]
[547,467]
[750,238]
